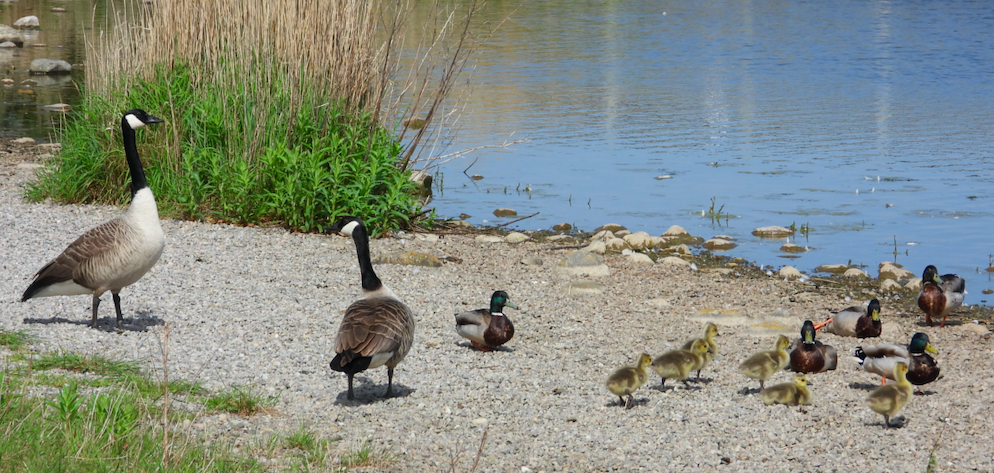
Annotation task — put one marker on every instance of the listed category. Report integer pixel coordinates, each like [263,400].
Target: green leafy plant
[240,400]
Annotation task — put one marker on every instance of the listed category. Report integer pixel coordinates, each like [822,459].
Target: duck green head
[874,310]
[499,301]
[920,344]
[931,274]
[808,332]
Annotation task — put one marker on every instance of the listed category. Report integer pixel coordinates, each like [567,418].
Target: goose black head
[345,225]
[137,118]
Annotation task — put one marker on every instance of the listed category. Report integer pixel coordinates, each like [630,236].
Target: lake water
[868,121]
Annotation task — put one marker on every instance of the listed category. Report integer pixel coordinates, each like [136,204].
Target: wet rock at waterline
[639,240]
[613,227]
[792,248]
[8,45]
[832,268]
[489,239]
[409,258]
[505,213]
[414,123]
[460,223]
[11,35]
[27,23]
[476,177]
[676,231]
[464,216]
[622,233]
[562,227]
[680,249]
[584,287]
[854,273]
[891,271]
[719,244]
[790,272]
[57,107]
[583,262]
[675,261]
[27,140]
[772,232]
[49,66]
[516,237]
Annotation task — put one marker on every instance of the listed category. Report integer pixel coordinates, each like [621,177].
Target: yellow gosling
[891,398]
[710,331]
[625,381]
[679,363]
[763,364]
[794,393]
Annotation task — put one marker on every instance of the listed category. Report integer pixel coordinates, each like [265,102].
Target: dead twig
[517,220]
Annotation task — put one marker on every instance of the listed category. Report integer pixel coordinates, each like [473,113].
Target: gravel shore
[260,307]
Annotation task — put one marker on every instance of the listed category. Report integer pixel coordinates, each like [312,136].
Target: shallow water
[870,122]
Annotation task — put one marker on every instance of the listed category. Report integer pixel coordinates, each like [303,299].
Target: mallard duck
[940,295]
[679,363]
[808,355]
[891,398]
[117,253]
[377,329]
[487,328]
[710,331]
[793,393]
[762,365]
[859,322]
[880,359]
[625,381]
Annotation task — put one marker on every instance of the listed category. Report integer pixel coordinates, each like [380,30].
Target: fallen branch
[518,220]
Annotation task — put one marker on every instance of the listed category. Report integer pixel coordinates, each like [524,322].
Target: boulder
[616,244]
[832,268]
[637,257]
[718,244]
[889,285]
[505,213]
[854,273]
[596,247]
[890,271]
[603,235]
[772,231]
[675,231]
[11,35]
[914,284]
[49,66]
[790,272]
[516,237]
[675,261]
[562,227]
[27,23]
[639,240]
[792,248]
[614,227]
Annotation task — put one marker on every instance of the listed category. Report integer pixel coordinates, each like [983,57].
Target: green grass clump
[218,157]
[239,400]
[14,340]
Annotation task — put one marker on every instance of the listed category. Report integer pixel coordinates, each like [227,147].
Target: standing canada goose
[889,399]
[859,322]
[940,295]
[710,331]
[808,355]
[679,363]
[487,328]
[762,365]
[880,359]
[117,253]
[377,329]
[794,393]
[625,381]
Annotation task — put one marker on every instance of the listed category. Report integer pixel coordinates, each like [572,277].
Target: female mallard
[625,381]
[881,359]
[808,355]
[940,295]
[377,329]
[487,328]
[679,363]
[891,398]
[859,322]
[710,331]
[763,364]
[793,393]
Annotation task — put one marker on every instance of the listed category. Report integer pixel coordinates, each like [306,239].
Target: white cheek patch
[133,121]
[350,227]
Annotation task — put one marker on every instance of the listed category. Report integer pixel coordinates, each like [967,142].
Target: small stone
[584,288]
[7,45]
[614,227]
[531,262]
[460,223]
[772,231]
[854,273]
[889,285]
[480,421]
[596,247]
[988,291]
[675,231]
[792,248]
[409,258]
[505,213]
[718,244]
[636,257]
[976,329]
[790,272]
[27,140]
[516,237]
[914,284]
[464,216]
[675,261]
[832,268]
[58,10]
[562,227]
[489,239]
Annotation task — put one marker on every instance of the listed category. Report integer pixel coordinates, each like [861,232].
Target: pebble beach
[260,307]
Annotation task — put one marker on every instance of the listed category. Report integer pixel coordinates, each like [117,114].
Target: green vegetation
[286,117]
[240,400]
[14,340]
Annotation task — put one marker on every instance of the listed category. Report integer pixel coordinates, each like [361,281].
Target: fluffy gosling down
[794,393]
[762,365]
[890,399]
[625,381]
[710,331]
[679,363]
[487,328]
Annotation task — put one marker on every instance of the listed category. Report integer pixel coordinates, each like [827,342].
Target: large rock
[790,272]
[8,34]
[409,258]
[583,262]
[596,247]
[675,231]
[516,237]
[50,66]
[772,232]
[505,213]
[891,271]
[675,261]
[27,23]
[614,227]
[616,244]
[832,268]
[7,45]
[889,285]
[639,240]
[854,273]
[637,257]
[719,244]
[792,248]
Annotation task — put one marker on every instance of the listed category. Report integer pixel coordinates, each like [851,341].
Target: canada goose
[808,355]
[117,253]
[486,328]
[940,295]
[710,331]
[880,359]
[377,329]
[762,365]
[679,363]
[625,381]
[859,322]
[792,394]
[889,399]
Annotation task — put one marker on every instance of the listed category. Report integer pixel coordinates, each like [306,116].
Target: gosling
[679,363]
[795,393]
[891,398]
[625,381]
[763,364]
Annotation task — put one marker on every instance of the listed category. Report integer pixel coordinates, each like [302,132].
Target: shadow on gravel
[863,386]
[673,387]
[366,392]
[471,347]
[748,391]
[140,323]
[635,403]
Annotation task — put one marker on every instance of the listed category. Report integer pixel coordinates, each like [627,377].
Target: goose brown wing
[67,266]
[372,326]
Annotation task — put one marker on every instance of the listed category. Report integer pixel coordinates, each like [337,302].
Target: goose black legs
[96,303]
[350,375]
[117,308]
[389,383]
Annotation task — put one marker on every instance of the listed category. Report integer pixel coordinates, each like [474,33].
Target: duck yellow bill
[929,348]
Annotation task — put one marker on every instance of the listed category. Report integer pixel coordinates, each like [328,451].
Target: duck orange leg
[819,325]
[943,324]
[883,381]
[480,347]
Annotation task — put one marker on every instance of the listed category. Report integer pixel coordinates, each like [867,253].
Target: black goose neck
[138,181]
[369,280]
